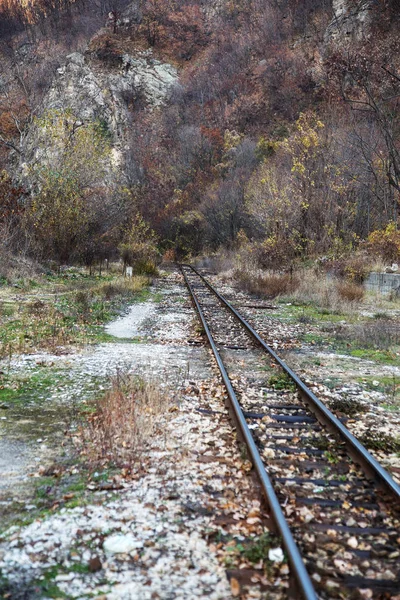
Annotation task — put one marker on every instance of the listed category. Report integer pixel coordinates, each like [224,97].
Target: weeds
[65,318]
[381,335]
[321,442]
[122,422]
[266,284]
[258,550]
[347,407]
[282,381]
[332,458]
[377,440]
[350,291]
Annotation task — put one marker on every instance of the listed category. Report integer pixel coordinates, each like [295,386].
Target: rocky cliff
[351,19]
[108,96]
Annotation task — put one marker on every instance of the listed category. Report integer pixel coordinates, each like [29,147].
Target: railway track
[334,506]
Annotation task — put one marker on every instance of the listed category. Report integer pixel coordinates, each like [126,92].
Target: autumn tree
[302,195]
[138,248]
[69,168]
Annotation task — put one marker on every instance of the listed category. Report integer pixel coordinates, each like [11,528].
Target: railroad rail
[332,503]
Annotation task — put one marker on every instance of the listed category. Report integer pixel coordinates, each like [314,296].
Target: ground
[188,504]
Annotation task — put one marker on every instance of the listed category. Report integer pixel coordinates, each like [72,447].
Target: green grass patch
[68,312]
[389,385]
[282,381]
[258,549]
[309,312]
[380,356]
[34,386]
[57,488]
[47,586]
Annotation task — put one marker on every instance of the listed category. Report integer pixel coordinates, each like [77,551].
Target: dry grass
[349,291]
[266,284]
[223,261]
[327,292]
[381,335]
[72,315]
[14,268]
[121,286]
[124,421]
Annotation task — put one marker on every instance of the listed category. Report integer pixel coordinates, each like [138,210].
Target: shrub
[350,291]
[139,247]
[107,49]
[357,268]
[270,285]
[123,421]
[169,256]
[385,243]
[275,252]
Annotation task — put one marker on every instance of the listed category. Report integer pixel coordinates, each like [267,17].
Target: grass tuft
[123,421]
[266,284]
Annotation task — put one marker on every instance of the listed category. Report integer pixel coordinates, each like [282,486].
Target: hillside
[215,124]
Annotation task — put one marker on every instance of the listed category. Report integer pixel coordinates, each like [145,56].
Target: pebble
[121,544]
[352,542]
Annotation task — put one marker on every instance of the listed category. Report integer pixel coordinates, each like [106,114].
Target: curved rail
[298,569]
[357,451]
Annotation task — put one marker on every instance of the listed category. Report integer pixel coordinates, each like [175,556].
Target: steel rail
[298,570]
[357,451]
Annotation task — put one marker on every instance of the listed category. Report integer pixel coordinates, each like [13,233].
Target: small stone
[268,453]
[121,544]
[331,584]
[284,570]
[366,594]
[235,587]
[276,555]
[388,575]
[352,542]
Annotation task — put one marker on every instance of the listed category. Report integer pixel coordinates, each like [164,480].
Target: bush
[139,247]
[270,285]
[350,291]
[385,243]
[275,252]
[123,422]
[107,49]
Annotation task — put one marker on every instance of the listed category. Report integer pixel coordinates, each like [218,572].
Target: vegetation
[122,422]
[67,312]
[280,134]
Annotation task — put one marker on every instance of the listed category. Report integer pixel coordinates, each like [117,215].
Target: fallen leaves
[235,587]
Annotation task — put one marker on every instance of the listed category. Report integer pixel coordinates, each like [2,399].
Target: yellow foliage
[232,139]
[385,242]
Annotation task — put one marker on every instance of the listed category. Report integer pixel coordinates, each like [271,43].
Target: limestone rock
[350,20]
[121,544]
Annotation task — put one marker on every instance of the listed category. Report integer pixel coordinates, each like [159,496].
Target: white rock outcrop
[95,94]
[350,19]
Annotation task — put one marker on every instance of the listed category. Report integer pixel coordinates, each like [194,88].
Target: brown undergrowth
[349,291]
[123,422]
[270,285]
